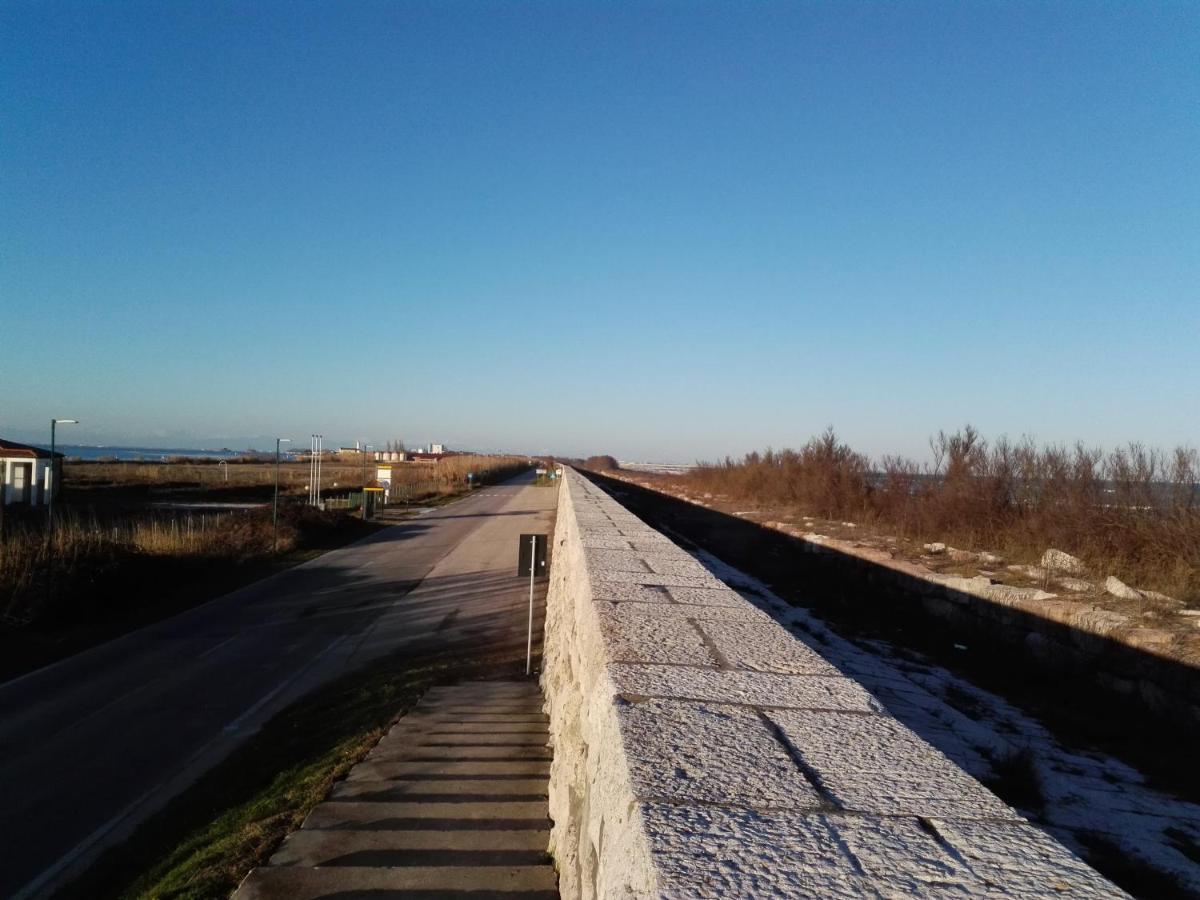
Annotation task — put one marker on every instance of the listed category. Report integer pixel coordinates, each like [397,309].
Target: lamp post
[54,423]
[275,502]
[365,448]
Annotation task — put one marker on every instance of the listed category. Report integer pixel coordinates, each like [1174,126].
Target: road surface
[96,743]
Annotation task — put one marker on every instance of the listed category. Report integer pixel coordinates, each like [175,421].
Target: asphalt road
[94,744]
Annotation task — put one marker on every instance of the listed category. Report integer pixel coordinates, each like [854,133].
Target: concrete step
[470,769]
[430,721]
[412,882]
[317,847]
[456,738]
[452,802]
[461,790]
[491,709]
[486,728]
[400,750]
[452,701]
[503,815]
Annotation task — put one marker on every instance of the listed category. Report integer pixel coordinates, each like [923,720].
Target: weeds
[1015,780]
[445,476]
[1133,512]
[88,551]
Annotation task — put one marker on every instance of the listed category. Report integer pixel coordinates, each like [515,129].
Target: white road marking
[215,647]
[279,688]
[48,877]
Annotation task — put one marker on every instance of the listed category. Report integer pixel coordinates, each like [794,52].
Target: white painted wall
[40,477]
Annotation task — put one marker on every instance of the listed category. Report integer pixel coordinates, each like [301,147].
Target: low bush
[1133,512]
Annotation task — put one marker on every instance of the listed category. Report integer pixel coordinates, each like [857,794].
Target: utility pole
[54,423]
[320,454]
[275,503]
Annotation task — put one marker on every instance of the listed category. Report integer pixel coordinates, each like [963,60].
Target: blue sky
[660,230]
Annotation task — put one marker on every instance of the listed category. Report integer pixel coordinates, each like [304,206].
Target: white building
[437,448]
[26,472]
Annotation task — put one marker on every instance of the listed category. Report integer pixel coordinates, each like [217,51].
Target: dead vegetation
[1132,512]
[92,557]
[444,476]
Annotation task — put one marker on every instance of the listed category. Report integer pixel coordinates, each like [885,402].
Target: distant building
[437,449]
[27,473]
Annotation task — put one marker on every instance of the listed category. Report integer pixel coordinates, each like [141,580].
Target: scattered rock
[1057,561]
[1161,598]
[816,538]
[935,548]
[961,555]
[1149,637]
[849,525]
[1010,594]
[990,559]
[981,586]
[1189,612]
[1037,573]
[1074,585]
[1099,621]
[1120,589]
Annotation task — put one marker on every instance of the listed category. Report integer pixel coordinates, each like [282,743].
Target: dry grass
[86,549]
[445,476]
[1133,512]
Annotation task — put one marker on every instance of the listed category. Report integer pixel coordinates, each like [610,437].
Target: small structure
[27,474]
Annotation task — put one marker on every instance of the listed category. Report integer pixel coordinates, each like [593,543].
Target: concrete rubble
[702,750]
[1063,563]
[1120,590]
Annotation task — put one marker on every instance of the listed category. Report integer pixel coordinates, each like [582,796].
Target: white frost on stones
[702,750]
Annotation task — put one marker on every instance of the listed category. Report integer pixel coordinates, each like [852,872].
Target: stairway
[452,802]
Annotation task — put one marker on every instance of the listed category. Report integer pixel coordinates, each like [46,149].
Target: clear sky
[660,230]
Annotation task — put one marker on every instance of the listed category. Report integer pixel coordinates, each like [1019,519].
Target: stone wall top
[751,765]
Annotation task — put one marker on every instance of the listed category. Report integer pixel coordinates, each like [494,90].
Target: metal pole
[50,510]
[320,458]
[50,523]
[50,506]
[312,458]
[532,569]
[275,504]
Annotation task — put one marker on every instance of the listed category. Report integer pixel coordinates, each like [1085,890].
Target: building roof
[26,451]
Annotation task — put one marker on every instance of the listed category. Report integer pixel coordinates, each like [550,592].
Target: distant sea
[147,454]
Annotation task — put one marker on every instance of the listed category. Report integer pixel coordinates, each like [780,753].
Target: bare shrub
[603,463]
[1132,511]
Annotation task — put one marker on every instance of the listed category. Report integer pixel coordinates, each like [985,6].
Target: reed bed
[86,550]
[444,476]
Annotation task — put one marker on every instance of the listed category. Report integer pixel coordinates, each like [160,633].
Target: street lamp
[365,448]
[54,423]
[275,503]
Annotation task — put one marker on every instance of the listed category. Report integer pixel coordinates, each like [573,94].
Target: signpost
[531,559]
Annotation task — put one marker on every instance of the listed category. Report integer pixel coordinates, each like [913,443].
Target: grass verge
[204,841]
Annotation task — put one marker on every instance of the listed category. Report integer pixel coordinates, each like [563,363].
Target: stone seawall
[1148,672]
[700,750]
